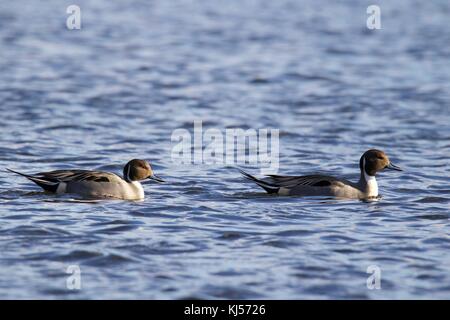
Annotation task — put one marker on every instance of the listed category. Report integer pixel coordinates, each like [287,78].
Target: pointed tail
[270,188]
[47,185]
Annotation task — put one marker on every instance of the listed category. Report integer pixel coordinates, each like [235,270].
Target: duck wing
[78,176]
[49,181]
[273,183]
[315,180]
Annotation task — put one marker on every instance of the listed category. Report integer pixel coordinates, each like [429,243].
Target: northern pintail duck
[97,183]
[371,162]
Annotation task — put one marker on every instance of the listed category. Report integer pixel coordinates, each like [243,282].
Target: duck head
[373,161]
[136,170]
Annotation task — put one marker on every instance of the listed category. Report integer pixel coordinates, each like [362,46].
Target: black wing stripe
[77,175]
[309,180]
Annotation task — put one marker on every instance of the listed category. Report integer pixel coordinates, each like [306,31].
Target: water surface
[116,89]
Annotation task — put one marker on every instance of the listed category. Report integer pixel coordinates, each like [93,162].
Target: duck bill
[393,167]
[156,178]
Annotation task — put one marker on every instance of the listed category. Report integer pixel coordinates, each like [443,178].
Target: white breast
[372,185]
[136,192]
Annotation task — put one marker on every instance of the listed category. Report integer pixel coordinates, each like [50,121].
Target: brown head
[137,169]
[374,160]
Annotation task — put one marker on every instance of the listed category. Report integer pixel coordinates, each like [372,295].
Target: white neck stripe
[371,182]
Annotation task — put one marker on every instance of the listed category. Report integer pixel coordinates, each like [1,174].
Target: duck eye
[380,158]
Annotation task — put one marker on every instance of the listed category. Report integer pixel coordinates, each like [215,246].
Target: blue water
[116,89]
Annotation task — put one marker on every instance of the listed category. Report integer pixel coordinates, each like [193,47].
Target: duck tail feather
[51,186]
[270,188]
